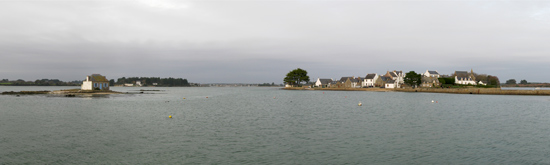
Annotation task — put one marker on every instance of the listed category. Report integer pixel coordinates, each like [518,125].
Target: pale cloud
[259,41]
[164,4]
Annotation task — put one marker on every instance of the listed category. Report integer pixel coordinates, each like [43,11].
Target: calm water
[272,126]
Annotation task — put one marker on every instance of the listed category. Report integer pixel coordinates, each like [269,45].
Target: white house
[465,78]
[369,80]
[398,76]
[323,82]
[482,83]
[430,73]
[95,82]
[391,84]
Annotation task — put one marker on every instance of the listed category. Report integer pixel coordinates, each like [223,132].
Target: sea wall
[485,91]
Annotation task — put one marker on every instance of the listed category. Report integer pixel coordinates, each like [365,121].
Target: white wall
[87,85]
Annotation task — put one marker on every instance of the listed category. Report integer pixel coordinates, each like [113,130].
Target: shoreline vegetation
[483,91]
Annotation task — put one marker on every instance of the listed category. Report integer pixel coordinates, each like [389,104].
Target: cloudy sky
[246,41]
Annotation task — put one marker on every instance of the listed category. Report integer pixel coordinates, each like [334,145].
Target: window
[106,84]
[95,85]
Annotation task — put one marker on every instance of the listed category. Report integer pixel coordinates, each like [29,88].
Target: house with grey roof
[465,78]
[356,82]
[323,82]
[349,82]
[391,84]
[370,80]
[95,82]
[429,82]
[398,76]
[381,81]
[431,73]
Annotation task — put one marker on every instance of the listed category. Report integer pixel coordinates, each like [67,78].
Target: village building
[391,84]
[370,80]
[430,73]
[398,76]
[465,78]
[349,82]
[95,82]
[482,82]
[323,83]
[356,82]
[430,82]
[381,81]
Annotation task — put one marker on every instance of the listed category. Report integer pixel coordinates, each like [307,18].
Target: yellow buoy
[184,98]
[170,116]
[360,104]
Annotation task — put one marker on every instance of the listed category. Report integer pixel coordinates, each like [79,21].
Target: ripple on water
[271,126]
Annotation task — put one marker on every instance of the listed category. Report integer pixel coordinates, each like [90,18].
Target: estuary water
[254,125]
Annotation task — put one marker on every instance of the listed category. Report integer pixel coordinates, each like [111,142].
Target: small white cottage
[95,82]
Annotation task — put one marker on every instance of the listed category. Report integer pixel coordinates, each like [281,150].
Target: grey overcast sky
[250,41]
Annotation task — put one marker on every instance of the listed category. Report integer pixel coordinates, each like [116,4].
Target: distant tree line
[513,82]
[270,84]
[145,81]
[42,82]
[524,83]
[151,81]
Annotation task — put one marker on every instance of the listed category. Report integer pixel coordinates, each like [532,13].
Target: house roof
[390,81]
[370,76]
[430,79]
[325,81]
[462,74]
[343,79]
[384,78]
[432,72]
[393,74]
[97,77]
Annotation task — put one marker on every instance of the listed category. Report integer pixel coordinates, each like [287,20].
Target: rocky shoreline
[484,91]
[66,92]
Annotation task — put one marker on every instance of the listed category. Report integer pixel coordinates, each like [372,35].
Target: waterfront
[272,126]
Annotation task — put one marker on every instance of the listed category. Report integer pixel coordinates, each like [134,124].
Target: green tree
[413,79]
[493,80]
[112,82]
[511,81]
[296,76]
[447,80]
[523,82]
